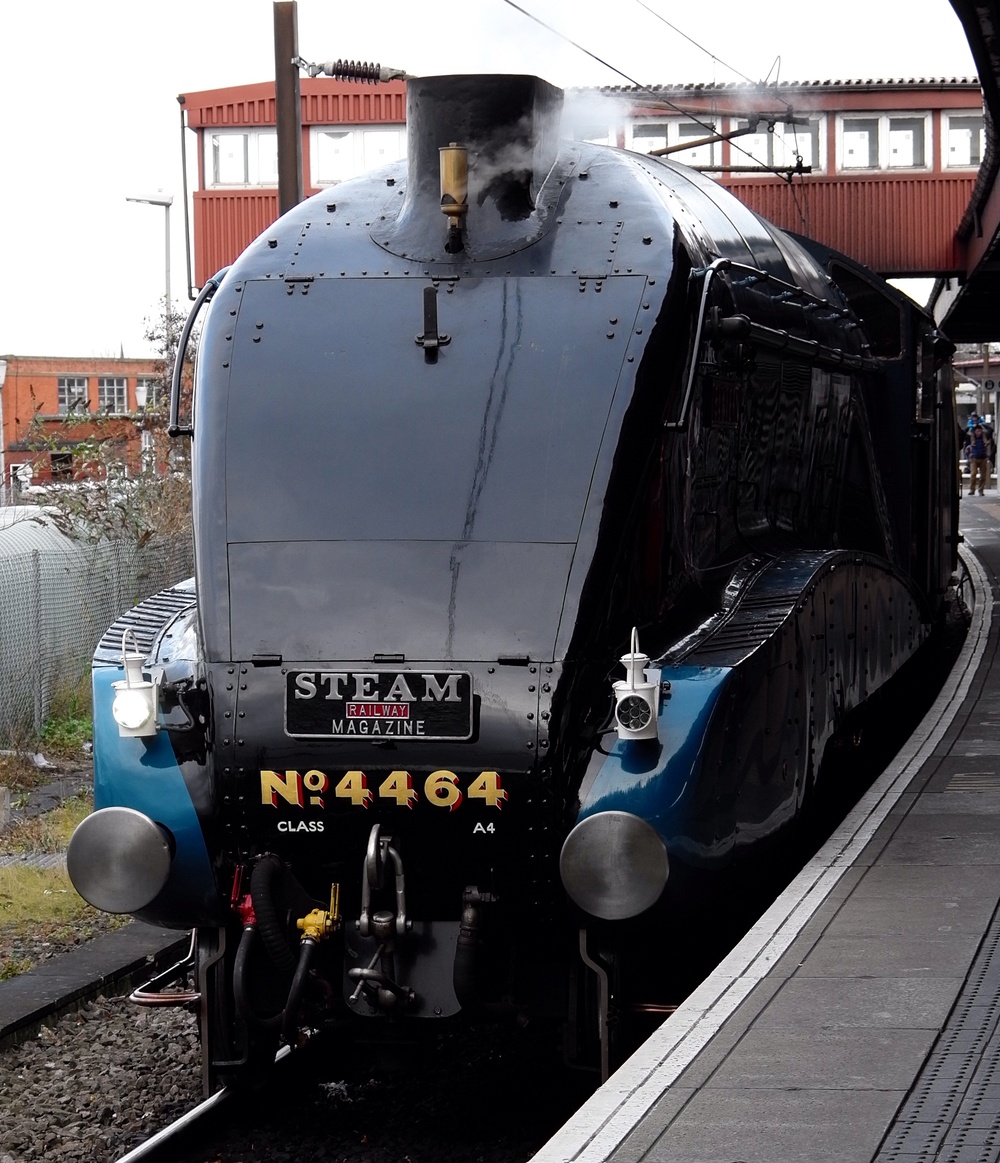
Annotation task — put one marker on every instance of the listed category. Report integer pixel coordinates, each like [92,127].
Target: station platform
[858,1020]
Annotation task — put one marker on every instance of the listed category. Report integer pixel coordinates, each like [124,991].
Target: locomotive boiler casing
[438,480]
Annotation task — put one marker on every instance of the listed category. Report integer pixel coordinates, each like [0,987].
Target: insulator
[352,71]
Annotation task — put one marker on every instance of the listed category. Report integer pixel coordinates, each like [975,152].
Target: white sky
[90,114]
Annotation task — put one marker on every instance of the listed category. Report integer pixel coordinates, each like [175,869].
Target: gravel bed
[98,1082]
[102,1080]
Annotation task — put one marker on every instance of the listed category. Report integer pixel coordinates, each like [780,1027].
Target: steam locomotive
[553,514]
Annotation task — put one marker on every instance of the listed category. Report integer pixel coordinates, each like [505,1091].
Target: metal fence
[57,597]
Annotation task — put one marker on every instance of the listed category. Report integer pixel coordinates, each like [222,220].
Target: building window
[61,466]
[73,395]
[148,393]
[248,158]
[965,140]
[112,395]
[887,142]
[646,136]
[339,154]
[778,145]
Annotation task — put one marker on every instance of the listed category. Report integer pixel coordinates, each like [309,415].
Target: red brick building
[52,407]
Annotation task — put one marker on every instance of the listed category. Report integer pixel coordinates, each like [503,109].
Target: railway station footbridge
[967,307]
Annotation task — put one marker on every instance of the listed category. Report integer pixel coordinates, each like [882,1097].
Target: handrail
[755,332]
[174,427]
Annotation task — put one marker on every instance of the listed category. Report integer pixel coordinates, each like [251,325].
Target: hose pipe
[268,872]
[306,953]
[241,971]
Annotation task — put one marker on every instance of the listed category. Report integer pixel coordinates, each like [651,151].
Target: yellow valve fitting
[321,924]
[317,924]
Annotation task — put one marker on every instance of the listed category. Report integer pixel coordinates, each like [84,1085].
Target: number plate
[408,704]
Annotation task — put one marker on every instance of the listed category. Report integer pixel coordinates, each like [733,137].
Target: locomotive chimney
[508,128]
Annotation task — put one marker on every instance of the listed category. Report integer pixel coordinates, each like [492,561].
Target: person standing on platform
[978,453]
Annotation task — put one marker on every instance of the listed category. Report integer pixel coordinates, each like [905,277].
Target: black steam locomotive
[553,514]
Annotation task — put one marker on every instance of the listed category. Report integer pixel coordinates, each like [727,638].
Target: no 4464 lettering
[441,789]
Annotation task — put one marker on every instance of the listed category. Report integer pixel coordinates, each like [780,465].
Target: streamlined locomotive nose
[118,860]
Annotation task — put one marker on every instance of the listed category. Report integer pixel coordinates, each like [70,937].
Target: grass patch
[43,898]
[70,724]
[40,914]
[12,966]
[62,742]
[49,832]
[40,910]
[64,738]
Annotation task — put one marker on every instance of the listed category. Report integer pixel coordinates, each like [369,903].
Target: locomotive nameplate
[411,704]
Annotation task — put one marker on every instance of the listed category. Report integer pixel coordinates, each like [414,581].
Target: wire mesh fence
[56,600]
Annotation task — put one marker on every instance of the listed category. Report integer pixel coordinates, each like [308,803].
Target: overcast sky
[90,113]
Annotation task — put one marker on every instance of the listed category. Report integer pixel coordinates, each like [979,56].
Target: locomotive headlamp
[131,709]
[134,707]
[454,191]
[614,865]
[637,700]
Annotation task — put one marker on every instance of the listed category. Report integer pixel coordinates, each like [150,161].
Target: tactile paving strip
[974,781]
[952,1114]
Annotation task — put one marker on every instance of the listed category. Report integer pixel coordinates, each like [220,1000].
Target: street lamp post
[3,442]
[166,201]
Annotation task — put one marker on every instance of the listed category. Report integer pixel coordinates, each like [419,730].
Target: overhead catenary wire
[690,39]
[657,98]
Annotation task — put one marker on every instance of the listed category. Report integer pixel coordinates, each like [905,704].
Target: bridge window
[906,142]
[339,154]
[780,147]
[248,158]
[596,132]
[645,136]
[883,142]
[859,144]
[965,140]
